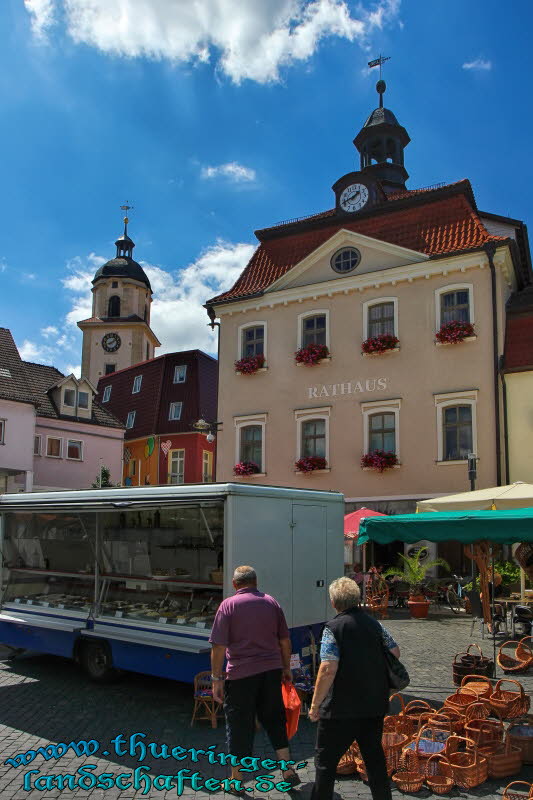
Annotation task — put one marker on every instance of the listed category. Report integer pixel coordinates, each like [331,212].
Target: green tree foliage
[411,569]
[103,479]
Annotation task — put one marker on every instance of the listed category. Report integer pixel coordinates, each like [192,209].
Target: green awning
[505,527]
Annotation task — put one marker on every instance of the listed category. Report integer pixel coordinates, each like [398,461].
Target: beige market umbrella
[497,498]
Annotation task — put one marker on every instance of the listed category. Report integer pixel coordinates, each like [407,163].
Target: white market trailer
[131,578]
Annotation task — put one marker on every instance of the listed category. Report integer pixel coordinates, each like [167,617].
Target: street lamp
[209,428]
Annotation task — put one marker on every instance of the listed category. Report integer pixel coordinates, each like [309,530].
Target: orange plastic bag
[292,704]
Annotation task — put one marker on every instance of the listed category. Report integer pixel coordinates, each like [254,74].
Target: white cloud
[479,65]
[27,277]
[235,172]
[250,40]
[73,369]
[3,265]
[50,330]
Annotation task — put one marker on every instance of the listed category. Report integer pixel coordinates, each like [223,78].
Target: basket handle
[453,741]
[518,783]
[473,708]
[400,698]
[439,718]
[509,680]
[474,644]
[476,678]
[417,704]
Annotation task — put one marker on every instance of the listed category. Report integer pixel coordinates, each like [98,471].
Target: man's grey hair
[344,593]
[245,576]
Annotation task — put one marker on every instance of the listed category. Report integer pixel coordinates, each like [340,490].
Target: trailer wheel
[97,661]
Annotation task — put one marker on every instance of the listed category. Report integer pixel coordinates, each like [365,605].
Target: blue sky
[220,117]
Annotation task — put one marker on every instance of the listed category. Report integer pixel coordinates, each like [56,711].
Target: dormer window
[137,381]
[69,398]
[107,394]
[83,400]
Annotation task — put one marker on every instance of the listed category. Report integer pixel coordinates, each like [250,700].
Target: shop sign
[349,387]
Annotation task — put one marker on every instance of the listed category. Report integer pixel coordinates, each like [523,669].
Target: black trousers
[244,699]
[334,736]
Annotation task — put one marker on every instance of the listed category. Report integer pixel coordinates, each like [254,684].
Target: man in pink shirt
[251,631]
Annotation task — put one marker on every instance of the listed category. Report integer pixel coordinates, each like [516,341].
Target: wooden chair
[379,603]
[205,706]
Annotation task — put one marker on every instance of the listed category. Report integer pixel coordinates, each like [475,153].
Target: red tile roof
[446,222]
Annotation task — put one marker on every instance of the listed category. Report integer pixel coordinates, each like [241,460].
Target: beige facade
[412,385]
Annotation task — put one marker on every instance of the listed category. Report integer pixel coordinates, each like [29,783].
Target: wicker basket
[414,710]
[439,775]
[521,735]
[447,720]
[408,781]
[393,744]
[470,769]
[515,657]
[503,759]
[524,556]
[428,742]
[399,723]
[348,764]
[507,703]
[485,732]
[460,700]
[468,663]
[511,792]
[479,684]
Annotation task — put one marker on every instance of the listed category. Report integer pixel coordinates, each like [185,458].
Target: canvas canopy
[504,527]
[353,520]
[514,495]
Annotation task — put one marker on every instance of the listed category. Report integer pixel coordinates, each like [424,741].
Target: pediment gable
[376,255]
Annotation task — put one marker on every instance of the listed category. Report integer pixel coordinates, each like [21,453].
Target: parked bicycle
[455,596]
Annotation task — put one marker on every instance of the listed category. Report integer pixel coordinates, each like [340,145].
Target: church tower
[118,332]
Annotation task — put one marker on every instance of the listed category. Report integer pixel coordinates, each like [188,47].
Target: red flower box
[310,463]
[379,460]
[454,332]
[250,364]
[246,468]
[311,354]
[379,344]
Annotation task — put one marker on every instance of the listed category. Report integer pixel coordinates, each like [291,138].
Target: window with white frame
[37,444]
[250,439]
[456,426]
[83,400]
[107,394]
[174,412]
[381,426]
[454,303]
[2,431]
[137,381]
[53,447]
[380,316]
[314,329]
[180,373]
[176,466]
[312,432]
[253,341]
[69,398]
[207,466]
[74,450]
[130,419]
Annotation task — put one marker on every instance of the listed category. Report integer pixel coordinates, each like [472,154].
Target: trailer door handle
[320,584]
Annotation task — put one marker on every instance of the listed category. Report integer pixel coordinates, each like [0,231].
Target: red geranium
[379,460]
[378,344]
[454,332]
[311,354]
[246,468]
[250,364]
[310,463]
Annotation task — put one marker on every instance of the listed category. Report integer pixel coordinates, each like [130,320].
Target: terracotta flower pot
[418,607]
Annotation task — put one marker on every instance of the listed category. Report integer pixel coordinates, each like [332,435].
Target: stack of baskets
[471,663]
[520,733]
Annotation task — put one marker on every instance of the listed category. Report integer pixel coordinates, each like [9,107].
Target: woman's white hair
[344,593]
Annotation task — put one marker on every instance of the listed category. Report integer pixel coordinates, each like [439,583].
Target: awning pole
[492,609]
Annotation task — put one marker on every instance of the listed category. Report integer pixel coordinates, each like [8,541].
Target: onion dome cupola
[123,265]
[381,142]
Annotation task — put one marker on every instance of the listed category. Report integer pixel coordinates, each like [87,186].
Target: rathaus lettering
[350,387]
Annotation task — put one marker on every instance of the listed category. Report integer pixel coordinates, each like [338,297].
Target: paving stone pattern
[46,700]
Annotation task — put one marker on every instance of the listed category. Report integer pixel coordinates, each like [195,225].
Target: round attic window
[345,260]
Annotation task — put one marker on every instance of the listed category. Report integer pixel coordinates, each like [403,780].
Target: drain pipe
[490,249]
[505,424]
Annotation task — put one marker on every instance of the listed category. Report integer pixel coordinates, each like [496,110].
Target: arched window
[113,307]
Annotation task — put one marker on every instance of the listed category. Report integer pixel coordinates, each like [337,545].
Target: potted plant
[250,364]
[379,344]
[380,460]
[246,468]
[411,570]
[310,463]
[311,354]
[454,332]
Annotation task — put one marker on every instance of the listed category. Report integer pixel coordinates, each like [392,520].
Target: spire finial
[126,208]
[380,89]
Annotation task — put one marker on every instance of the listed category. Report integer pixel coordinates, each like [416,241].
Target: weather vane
[378,62]
[126,208]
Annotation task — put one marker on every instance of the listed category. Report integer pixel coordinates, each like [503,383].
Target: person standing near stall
[251,631]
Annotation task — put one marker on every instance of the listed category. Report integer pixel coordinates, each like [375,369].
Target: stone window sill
[371,469]
[443,463]
[447,344]
[321,361]
[261,369]
[254,475]
[383,353]
[312,471]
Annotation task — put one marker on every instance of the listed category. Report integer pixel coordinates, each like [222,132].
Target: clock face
[354,197]
[111,342]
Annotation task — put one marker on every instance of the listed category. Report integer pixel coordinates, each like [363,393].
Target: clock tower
[118,332]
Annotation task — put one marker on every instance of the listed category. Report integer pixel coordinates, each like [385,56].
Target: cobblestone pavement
[46,700]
